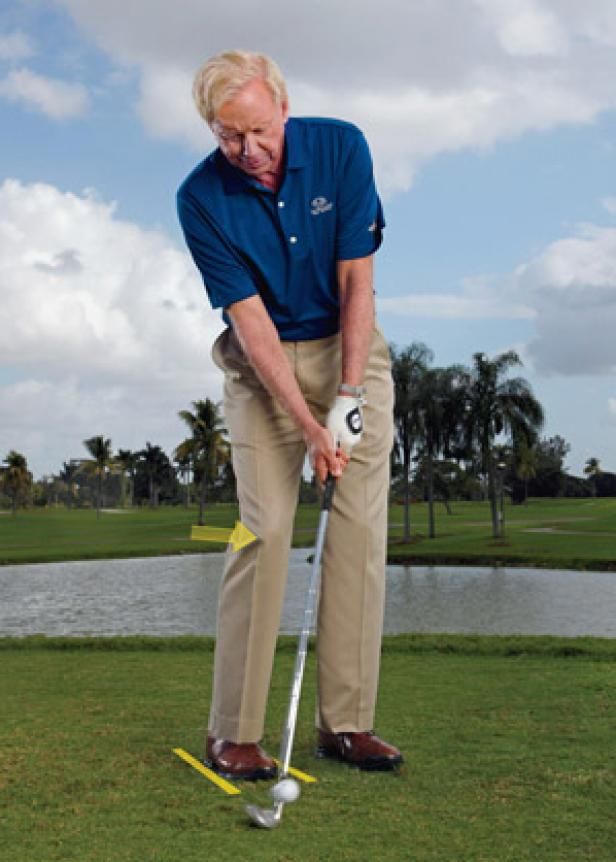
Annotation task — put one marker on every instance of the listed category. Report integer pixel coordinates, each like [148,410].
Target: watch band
[347,389]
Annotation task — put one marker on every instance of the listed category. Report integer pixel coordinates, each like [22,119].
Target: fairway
[560,533]
[508,743]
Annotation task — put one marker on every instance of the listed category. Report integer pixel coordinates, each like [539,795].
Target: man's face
[250,130]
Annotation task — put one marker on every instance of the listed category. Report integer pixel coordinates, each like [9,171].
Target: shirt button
[293,239]
[281,204]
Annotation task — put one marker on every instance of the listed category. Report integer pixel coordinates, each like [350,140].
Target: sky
[492,125]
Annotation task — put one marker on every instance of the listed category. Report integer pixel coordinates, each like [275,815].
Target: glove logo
[353,420]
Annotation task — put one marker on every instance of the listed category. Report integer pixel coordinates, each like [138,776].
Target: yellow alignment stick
[302,776]
[228,788]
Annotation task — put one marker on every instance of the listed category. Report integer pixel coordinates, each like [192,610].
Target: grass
[562,533]
[509,747]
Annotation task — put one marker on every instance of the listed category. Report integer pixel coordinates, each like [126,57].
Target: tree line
[461,432]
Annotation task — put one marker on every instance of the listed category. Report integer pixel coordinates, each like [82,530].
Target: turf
[508,741]
[560,533]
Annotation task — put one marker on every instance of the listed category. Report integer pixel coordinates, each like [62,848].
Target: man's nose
[248,145]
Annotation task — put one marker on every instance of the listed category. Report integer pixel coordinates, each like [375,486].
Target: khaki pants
[268,456]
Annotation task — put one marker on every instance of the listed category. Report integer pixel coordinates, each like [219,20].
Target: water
[178,595]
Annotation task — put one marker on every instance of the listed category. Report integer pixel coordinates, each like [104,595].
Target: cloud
[15,46]
[567,293]
[105,326]
[57,99]
[572,285]
[609,203]
[496,69]
[451,306]
[525,29]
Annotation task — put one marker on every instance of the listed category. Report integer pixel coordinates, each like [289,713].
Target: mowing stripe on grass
[228,788]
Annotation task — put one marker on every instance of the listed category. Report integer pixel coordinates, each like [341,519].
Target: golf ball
[286,790]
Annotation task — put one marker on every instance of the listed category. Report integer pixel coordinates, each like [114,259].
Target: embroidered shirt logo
[320,205]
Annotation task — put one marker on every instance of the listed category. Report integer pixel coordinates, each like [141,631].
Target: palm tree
[408,368]
[495,406]
[525,464]
[67,476]
[592,469]
[207,447]
[127,462]
[184,467]
[16,478]
[100,450]
[157,468]
[441,396]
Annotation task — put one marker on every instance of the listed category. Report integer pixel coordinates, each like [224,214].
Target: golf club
[267,818]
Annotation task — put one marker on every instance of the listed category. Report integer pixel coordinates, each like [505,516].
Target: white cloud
[571,285]
[525,28]
[15,46]
[105,324]
[611,406]
[451,306]
[422,77]
[567,293]
[167,109]
[57,99]
[609,203]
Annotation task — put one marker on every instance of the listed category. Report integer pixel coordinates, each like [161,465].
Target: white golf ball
[286,790]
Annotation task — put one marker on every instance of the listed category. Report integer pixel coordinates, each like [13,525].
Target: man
[282,220]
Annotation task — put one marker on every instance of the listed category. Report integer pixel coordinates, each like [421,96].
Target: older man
[282,220]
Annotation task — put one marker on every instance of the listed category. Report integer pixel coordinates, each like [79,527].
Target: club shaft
[302,649]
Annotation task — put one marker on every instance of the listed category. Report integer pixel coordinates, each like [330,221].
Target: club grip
[328,493]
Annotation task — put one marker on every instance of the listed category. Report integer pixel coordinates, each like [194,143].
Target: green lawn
[509,745]
[560,533]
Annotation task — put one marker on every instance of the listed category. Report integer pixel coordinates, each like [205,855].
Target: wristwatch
[347,389]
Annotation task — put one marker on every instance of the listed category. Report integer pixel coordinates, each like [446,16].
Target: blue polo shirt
[246,239]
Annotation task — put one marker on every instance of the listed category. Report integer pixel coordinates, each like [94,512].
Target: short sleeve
[226,278]
[360,214]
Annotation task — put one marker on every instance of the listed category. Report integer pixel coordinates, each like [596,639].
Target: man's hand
[345,421]
[324,456]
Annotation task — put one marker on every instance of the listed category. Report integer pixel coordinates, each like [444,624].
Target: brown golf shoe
[363,750]
[239,760]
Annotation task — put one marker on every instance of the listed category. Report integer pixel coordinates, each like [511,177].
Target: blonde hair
[224,75]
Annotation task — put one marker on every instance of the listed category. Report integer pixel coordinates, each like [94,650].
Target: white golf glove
[345,421]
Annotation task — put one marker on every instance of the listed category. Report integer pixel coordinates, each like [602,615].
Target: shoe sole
[255,775]
[369,765]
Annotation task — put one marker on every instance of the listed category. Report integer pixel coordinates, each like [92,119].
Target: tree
[16,479]
[207,448]
[68,475]
[155,466]
[525,459]
[550,479]
[408,367]
[441,397]
[100,450]
[497,405]
[127,462]
[592,470]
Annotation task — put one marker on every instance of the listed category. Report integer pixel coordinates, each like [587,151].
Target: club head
[266,818]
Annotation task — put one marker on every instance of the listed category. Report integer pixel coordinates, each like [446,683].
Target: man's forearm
[261,344]
[356,317]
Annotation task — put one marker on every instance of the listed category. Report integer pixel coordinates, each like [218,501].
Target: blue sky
[492,125]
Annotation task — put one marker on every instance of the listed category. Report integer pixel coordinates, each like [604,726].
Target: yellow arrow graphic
[238,537]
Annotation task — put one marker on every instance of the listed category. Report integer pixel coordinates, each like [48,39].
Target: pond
[178,595]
